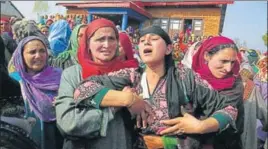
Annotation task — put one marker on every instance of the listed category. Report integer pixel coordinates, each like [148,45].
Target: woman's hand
[153,142]
[187,124]
[141,108]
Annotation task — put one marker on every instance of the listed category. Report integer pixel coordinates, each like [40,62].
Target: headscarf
[169,62]
[188,57]
[262,65]
[183,47]
[41,20]
[199,64]
[49,20]
[72,48]
[40,89]
[25,28]
[253,56]
[59,36]
[126,44]
[89,67]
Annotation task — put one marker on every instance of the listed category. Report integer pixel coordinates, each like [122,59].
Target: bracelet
[132,101]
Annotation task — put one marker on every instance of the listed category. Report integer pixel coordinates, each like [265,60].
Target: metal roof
[9,9]
[109,4]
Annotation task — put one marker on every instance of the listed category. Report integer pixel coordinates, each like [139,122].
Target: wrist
[129,100]
[201,127]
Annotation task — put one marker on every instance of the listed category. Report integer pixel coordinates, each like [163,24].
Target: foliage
[265,38]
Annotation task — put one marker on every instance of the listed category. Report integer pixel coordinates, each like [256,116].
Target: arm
[105,91]
[78,120]
[261,107]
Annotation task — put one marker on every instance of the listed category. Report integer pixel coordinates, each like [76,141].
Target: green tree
[265,38]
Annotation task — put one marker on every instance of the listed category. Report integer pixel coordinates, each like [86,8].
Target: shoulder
[75,69]
[72,74]
[189,75]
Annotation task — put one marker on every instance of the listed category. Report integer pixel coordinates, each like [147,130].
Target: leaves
[265,38]
[40,6]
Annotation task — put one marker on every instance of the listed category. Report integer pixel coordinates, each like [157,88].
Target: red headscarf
[126,44]
[202,69]
[89,67]
[182,46]
[6,20]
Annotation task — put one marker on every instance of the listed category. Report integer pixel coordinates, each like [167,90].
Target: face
[45,31]
[49,23]
[122,54]
[152,49]
[4,26]
[35,56]
[221,63]
[103,45]
[81,33]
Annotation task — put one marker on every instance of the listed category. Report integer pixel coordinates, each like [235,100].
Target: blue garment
[59,36]
[42,20]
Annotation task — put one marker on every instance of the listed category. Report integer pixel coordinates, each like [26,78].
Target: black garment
[13,137]
[11,103]
[10,46]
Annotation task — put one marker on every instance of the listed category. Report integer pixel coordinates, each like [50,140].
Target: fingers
[138,120]
[183,110]
[171,121]
[170,130]
[127,89]
[144,119]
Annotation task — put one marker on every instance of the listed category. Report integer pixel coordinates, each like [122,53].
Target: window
[163,23]
[175,26]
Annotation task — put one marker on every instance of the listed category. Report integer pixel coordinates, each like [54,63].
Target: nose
[106,43]
[228,67]
[38,55]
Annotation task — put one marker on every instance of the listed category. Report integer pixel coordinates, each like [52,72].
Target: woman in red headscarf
[125,47]
[96,55]
[217,63]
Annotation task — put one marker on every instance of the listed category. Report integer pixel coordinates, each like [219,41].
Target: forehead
[226,53]
[44,28]
[33,44]
[150,35]
[104,31]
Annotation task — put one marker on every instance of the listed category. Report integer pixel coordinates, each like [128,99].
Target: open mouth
[146,51]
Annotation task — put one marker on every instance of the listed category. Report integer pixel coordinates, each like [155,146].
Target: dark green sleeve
[224,108]
[98,97]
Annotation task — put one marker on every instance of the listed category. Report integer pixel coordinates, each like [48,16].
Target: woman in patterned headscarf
[260,80]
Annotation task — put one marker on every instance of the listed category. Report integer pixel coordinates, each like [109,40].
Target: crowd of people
[93,86]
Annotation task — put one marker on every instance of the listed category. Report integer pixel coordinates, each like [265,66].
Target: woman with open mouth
[178,98]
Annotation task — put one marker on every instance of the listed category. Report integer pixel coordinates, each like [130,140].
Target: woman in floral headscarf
[39,86]
[260,80]
[255,111]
